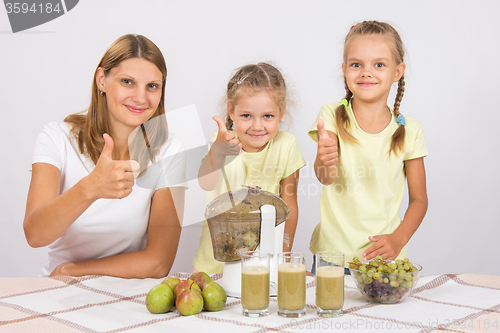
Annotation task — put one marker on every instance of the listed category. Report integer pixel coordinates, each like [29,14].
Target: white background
[452,75]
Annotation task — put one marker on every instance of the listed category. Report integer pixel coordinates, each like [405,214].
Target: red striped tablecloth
[452,302]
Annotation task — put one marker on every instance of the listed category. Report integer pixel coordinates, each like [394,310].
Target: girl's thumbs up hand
[322,133]
[327,146]
[226,143]
[111,179]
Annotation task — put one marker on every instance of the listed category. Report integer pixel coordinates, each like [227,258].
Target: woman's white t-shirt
[109,226]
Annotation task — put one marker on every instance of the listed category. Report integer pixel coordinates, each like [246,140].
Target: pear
[189,302]
[171,281]
[214,297]
[184,284]
[201,279]
[160,299]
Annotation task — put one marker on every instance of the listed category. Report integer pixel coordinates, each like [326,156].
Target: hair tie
[344,102]
[401,120]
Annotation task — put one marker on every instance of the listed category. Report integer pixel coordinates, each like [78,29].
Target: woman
[84,201]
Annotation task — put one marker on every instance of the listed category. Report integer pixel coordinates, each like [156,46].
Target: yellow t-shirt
[365,198]
[279,159]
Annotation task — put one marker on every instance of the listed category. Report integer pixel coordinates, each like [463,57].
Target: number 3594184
[23,7]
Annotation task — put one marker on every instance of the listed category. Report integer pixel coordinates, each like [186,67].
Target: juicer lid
[244,205]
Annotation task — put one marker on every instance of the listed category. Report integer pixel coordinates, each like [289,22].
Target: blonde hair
[256,77]
[89,126]
[396,45]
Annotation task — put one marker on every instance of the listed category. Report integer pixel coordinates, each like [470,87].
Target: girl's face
[370,68]
[256,118]
[133,91]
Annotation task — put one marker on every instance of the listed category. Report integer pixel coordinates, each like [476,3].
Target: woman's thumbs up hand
[112,179]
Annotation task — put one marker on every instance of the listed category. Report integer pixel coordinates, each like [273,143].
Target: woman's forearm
[49,215]
[139,265]
[156,260]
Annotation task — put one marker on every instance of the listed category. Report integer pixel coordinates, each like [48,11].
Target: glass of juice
[329,283]
[255,283]
[291,284]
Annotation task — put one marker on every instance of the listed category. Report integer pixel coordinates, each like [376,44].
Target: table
[451,302]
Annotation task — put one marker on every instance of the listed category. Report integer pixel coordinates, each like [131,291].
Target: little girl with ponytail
[250,149]
[367,151]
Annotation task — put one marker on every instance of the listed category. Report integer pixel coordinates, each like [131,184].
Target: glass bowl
[380,286]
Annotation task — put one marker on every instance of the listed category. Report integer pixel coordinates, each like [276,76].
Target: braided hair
[396,45]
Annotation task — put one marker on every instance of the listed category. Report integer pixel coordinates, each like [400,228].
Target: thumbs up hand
[327,146]
[112,179]
[226,143]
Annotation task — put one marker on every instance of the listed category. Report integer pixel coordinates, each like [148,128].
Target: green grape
[385,281]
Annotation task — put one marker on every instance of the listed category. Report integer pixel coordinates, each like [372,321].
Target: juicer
[249,219]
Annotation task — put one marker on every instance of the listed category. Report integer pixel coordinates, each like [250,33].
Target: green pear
[214,297]
[160,299]
[189,302]
[201,279]
[171,281]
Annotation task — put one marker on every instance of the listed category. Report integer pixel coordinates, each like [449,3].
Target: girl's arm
[325,165]
[389,246]
[155,261]
[289,195]
[225,144]
[49,214]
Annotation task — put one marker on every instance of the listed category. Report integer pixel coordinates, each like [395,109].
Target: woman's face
[133,91]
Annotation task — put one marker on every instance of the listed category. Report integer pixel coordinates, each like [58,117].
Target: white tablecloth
[453,302]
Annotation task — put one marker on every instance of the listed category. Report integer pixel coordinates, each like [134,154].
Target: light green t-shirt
[365,198]
[279,159]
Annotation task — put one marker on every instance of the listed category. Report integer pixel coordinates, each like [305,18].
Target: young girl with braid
[366,153]
[252,150]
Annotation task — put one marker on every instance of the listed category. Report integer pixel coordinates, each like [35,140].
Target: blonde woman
[85,201]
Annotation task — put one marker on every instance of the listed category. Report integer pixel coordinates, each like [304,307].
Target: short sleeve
[328,115]
[417,140]
[49,146]
[295,158]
